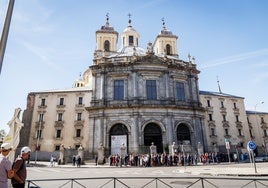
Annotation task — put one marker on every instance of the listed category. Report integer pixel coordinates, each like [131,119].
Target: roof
[218,94]
[75,89]
[250,112]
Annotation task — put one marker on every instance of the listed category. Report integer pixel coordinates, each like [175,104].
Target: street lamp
[258,126]
[5,31]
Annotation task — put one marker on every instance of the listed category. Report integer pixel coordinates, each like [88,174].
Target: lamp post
[258,126]
[5,31]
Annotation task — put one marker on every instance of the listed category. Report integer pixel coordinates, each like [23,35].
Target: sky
[51,42]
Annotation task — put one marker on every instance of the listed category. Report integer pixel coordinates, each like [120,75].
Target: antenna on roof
[219,84]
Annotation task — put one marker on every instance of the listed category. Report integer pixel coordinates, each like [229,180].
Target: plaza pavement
[222,169]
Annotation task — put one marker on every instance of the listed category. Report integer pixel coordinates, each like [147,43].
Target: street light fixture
[258,126]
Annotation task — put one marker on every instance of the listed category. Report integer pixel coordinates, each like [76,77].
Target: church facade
[135,97]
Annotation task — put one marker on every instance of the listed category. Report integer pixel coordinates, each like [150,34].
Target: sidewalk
[223,169]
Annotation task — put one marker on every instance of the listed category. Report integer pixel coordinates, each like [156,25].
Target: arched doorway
[153,133]
[118,136]
[183,134]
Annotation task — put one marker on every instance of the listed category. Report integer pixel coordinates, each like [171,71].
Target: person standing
[6,171]
[19,167]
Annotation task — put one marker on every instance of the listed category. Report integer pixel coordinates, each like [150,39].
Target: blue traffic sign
[252,145]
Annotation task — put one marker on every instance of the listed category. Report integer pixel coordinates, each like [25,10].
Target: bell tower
[106,40]
[130,37]
[165,42]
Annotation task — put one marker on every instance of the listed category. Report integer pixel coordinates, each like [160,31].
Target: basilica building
[135,97]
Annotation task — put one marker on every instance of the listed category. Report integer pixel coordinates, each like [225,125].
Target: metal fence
[151,182]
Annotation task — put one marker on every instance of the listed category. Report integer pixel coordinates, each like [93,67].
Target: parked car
[263,158]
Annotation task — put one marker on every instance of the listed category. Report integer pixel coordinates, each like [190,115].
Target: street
[179,176]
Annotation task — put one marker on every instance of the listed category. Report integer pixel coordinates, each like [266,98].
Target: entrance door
[118,136]
[153,133]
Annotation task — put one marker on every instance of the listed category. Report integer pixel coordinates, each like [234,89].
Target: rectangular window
[57,147]
[248,120]
[237,118]
[80,100]
[208,103]
[265,133]
[224,117]
[58,133]
[43,102]
[61,101]
[38,133]
[226,132]
[60,116]
[180,91]
[240,132]
[79,116]
[212,131]
[41,117]
[234,105]
[151,89]
[222,104]
[78,132]
[210,117]
[119,90]
[131,40]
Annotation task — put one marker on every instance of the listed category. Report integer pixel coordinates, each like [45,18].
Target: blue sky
[51,42]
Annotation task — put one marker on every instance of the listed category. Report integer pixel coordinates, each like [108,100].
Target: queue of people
[163,159]
[147,160]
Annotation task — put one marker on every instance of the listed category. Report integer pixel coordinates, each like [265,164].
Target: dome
[129,29]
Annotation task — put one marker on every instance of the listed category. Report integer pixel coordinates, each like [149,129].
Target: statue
[173,149]
[149,48]
[81,153]
[123,150]
[101,154]
[153,149]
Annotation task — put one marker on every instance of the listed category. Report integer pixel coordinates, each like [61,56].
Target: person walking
[19,167]
[6,171]
[52,161]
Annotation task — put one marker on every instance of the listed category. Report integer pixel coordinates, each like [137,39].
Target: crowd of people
[163,159]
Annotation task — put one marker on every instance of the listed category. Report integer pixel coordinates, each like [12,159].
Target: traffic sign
[252,145]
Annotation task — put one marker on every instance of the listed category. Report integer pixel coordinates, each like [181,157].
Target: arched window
[183,134]
[168,49]
[106,46]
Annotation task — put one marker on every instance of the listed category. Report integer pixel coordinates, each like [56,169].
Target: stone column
[102,86]
[134,84]
[167,84]
[135,133]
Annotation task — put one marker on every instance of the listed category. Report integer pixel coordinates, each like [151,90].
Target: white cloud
[236,58]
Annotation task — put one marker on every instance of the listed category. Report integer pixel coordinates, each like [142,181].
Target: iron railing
[151,182]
